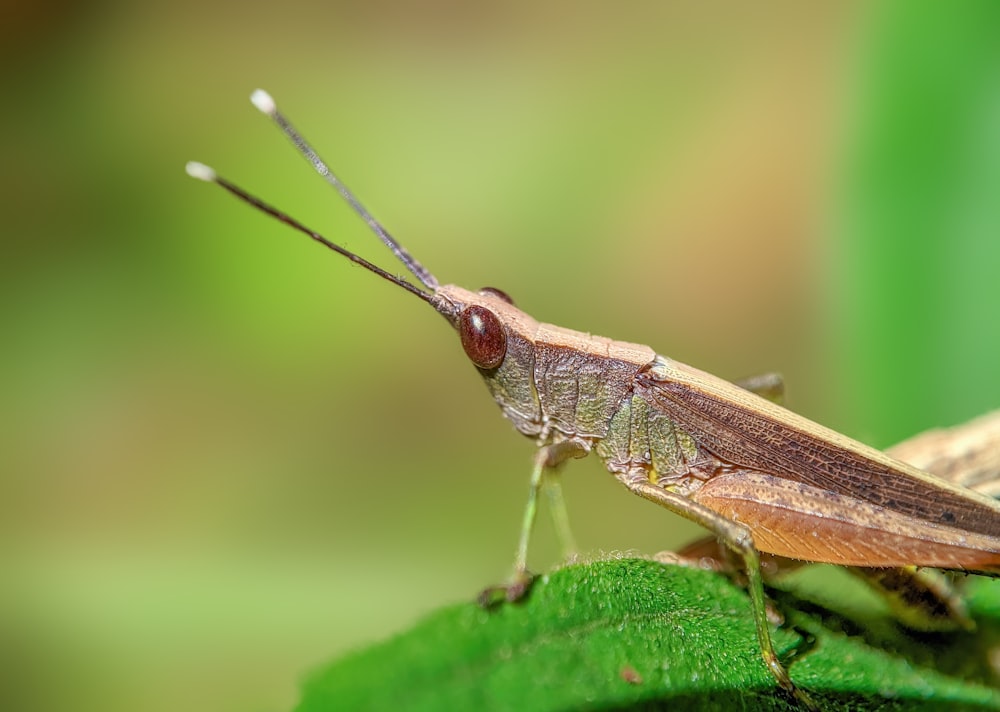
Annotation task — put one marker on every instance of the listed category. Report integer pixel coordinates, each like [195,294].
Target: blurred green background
[227,456]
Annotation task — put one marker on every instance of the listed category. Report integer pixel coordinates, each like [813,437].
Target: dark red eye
[497,293]
[483,337]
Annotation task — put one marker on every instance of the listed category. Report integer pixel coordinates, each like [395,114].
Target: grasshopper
[758,477]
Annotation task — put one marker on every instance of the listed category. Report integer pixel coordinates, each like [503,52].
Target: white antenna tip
[200,171]
[263,101]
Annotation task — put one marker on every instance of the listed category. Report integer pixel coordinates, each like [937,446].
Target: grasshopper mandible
[757,476]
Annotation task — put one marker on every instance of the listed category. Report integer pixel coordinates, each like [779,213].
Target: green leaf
[636,634]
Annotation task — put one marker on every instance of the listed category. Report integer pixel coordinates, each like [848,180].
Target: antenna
[203,172]
[263,101]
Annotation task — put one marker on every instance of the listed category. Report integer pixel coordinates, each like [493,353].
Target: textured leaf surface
[632,633]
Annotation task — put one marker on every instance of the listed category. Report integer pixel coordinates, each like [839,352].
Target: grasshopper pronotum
[757,476]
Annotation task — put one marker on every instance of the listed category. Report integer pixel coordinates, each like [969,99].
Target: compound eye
[483,336]
[499,293]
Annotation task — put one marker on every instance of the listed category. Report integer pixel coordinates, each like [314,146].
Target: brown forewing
[751,433]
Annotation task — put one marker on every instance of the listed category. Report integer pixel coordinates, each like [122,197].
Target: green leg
[520,581]
[739,540]
[530,512]
[547,459]
[560,516]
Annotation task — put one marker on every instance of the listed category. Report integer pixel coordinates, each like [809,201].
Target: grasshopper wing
[808,492]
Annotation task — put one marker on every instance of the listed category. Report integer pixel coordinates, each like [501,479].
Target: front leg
[547,459]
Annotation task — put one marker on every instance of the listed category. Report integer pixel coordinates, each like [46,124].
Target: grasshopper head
[498,338]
